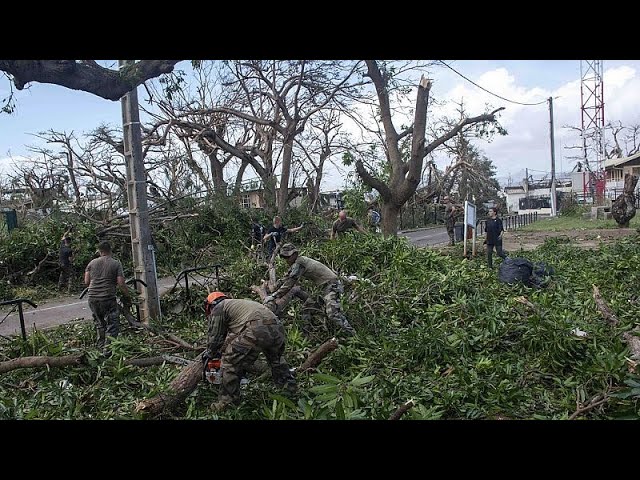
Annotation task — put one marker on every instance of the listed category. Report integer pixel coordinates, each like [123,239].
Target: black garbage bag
[515,269]
[541,275]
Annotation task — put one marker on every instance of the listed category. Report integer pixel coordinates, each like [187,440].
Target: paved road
[68,309]
[61,310]
[427,236]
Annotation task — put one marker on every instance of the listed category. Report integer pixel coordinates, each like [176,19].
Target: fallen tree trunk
[40,361]
[402,410]
[179,389]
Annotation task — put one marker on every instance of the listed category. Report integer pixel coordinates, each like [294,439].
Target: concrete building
[617,168]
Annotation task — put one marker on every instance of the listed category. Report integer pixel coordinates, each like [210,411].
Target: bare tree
[406,164]
[277,98]
[324,139]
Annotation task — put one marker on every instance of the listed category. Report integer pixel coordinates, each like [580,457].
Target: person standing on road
[66,265]
[102,276]
[344,224]
[451,211]
[494,231]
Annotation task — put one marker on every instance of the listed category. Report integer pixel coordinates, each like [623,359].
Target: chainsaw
[213,371]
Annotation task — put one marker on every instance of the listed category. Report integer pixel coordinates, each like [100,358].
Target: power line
[482,88]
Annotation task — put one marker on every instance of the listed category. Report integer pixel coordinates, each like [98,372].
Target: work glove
[269,298]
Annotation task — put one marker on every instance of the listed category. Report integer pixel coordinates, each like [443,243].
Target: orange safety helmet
[212,300]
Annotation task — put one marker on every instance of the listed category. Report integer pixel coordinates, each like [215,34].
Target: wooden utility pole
[143,255]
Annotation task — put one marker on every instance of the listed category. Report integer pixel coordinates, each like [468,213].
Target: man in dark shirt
[343,224]
[494,236]
[276,234]
[66,265]
[101,276]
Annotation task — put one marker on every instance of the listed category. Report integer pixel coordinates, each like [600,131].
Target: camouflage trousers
[243,350]
[329,302]
[450,230]
[106,318]
[332,308]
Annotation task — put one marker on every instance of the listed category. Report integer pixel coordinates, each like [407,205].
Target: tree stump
[623,208]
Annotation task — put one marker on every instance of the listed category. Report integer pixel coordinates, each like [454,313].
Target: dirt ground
[584,238]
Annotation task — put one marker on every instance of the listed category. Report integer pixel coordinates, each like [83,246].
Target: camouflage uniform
[321,275]
[280,306]
[245,328]
[450,221]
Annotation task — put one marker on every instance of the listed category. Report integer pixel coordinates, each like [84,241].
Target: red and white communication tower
[592,97]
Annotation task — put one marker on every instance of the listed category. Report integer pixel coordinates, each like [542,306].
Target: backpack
[374,218]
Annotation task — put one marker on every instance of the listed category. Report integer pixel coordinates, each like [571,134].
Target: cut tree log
[47,361]
[623,208]
[40,361]
[402,410]
[179,389]
[316,357]
[603,308]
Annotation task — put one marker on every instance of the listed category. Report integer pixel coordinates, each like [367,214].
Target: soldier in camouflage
[451,212]
[318,273]
[238,331]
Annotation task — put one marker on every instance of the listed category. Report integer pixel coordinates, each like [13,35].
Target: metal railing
[19,302]
[185,273]
[510,222]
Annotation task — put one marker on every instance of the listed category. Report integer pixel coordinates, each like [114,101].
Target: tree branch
[87,77]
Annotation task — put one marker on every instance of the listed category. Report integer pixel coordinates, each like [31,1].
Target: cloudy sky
[527,144]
